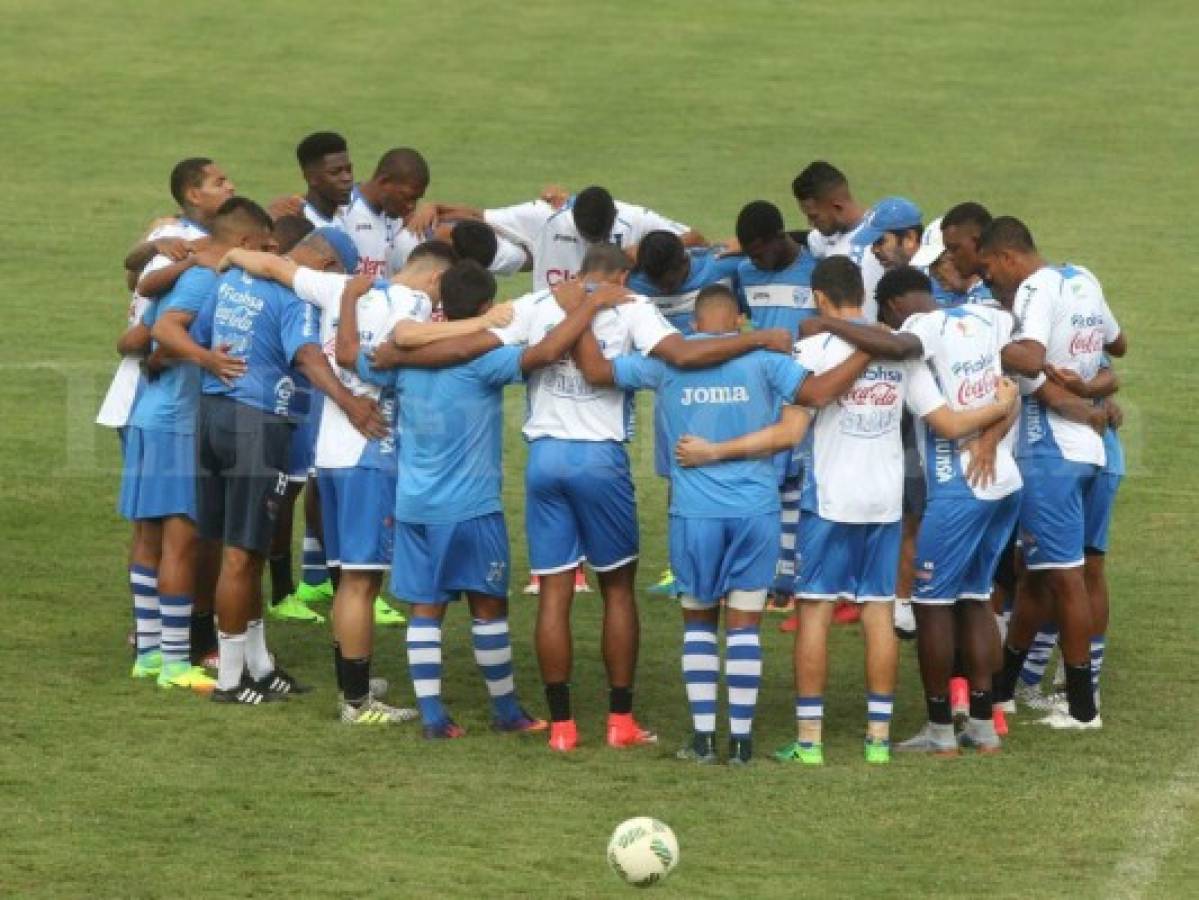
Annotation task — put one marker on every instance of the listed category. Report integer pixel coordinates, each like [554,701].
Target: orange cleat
[959,697]
[790,624]
[846,613]
[999,717]
[623,731]
[564,736]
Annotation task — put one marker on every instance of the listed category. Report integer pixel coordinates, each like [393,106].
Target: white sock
[258,658]
[232,662]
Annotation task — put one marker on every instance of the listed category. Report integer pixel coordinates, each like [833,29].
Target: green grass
[1078,116]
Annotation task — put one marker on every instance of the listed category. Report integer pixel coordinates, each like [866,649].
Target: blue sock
[1098,647]
[743,676]
[147,619]
[809,710]
[312,569]
[176,627]
[1038,656]
[879,708]
[424,665]
[701,671]
[493,653]
[785,570]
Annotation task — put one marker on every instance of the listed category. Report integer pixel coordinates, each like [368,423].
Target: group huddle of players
[915,431]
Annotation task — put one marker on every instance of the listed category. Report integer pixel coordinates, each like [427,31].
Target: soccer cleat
[293,608]
[808,754]
[534,585]
[147,665]
[789,625]
[905,621]
[279,682]
[623,731]
[846,613]
[701,749]
[246,694]
[564,736]
[935,739]
[1029,696]
[665,586]
[999,717]
[959,697]
[446,730]
[375,712]
[581,585]
[185,675]
[1061,720]
[980,735]
[741,751]
[386,614]
[314,593]
[522,724]
[211,660]
[877,750]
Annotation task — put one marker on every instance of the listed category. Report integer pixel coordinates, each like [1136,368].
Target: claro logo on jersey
[714,395]
[373,267]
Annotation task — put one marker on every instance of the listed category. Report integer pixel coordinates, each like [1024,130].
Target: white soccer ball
[643,851]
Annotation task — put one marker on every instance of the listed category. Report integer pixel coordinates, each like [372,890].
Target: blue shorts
[123,437]
[1052,518]
[356,514]
[839,560]
[959,545]
[158,475]
[579,505]
[436,563]
[1098,503]
[710,557]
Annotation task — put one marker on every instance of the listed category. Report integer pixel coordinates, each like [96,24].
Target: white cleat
[1032,698]
[533,587]
[905,620]
[375,712]
[1061,720]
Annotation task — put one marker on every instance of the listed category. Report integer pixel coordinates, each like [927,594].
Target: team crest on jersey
[495,571]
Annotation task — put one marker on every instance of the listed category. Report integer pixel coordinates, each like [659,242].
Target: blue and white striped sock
[809,711]
[1038,657]
[1098,648]
[785,570]
[493,653]
[701,671]
[176,627]
[147,620]
[312,569]
[879,708]
[424,666]
[743,676]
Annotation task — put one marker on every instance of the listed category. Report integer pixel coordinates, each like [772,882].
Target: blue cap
[889,214]
[342,245]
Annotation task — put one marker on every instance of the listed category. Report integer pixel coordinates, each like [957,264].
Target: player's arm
[1024,357]
[596,368]
[684,354]
[983,449]
[134,341]
[170,331]
[437,355]
[261,265]
[823,389]
[362,412]
[566,333]
[788,431]
[956,423]
[409,335]
[347,344]
[154,284]
[1070,406]
[879,341]
[1118,347]
[1104,384]
[145,250]
[692,238]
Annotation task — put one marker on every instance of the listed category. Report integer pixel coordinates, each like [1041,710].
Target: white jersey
[1063,309]
[382,243]
[520,223]
[963,344]
[313,215]
[118,402]
[844,243]
[339,444]
[854,470]
[558,249]
[510,257]
[561,402]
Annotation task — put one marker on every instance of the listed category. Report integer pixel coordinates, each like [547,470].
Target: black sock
[620,700]
[339,667]
[1005,681]
[203,634]
[939,712]
[1079,693]
[334,576]
[557,695]
[980,705]
[356,673]
[282,584]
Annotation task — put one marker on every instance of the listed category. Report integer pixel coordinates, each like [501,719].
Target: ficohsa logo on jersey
[643,851]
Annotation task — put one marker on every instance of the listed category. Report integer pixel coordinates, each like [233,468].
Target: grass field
[1078,116]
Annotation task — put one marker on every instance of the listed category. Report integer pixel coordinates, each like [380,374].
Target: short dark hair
[759,220]
[474,240]
[660,252]
[817,180]
[403,164]
[465,287]
[968,213]
[898,282]
[1007,233]
[605,259]
[594,211]
[433,252]
[239,215]
[317,146]
[715,293]
[839,279]
[187,174]
[290,230]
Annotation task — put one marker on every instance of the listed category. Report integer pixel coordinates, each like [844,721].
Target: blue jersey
[450,435]
[168,402]
[265,324]
[779,299]
[723,402]
[707,268]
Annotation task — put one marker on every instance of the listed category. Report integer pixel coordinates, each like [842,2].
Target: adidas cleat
[803,752]
[375,712]
[1061,720]
[245,694]
[280,683]
[904,620]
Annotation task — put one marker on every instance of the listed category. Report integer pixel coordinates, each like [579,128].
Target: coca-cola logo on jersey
[878,394]
[1086,342]
[972,390]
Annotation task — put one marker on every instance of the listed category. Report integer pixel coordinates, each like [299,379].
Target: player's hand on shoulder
[1115,414]
[422,218]
[1007,392]
[1067,378]
[173,249]
[1098,419]
[980,467]
[693,451]
[607,296]
[235,257]
[364,415]
[358,285]
[570,294]
[289,205]
[500,315]
[776,340]
[811,326]
[555,195]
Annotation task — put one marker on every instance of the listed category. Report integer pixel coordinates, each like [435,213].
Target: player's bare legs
[811,662]
[882,661]
[621,626]
[353,612]
[555,654]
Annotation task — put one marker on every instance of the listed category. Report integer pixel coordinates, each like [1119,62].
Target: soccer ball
[643,851]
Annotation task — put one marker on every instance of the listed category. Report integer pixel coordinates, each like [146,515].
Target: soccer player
[450,536]
[961,229]
[724,521]
[1062,320]
[950,287]
[965,527]
[324,159]
[244,431]
[472,239]
[374,216]
[824,197]
[849,539]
